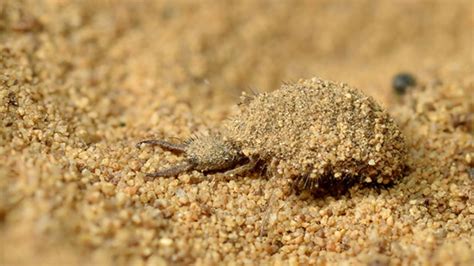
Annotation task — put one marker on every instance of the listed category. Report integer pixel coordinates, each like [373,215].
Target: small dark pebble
[402,81]
[12,99]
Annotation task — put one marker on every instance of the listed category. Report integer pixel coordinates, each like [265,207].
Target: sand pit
[82,83]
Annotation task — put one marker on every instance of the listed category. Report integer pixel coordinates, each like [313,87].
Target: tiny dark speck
[402,81]
[12,99]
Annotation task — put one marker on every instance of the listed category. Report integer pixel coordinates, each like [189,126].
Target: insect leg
[263,226]
[172,171]
[178,148]
[241,169]
[269,208]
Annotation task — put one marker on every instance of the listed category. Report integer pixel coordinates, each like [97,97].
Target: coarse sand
[82,82]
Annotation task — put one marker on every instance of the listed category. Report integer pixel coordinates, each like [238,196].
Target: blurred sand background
[82,81]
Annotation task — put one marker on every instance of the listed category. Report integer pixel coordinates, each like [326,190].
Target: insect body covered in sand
[318,133]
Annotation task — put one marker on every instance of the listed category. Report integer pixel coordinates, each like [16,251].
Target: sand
[81,83]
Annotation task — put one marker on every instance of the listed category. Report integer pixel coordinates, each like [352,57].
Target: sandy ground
[82,82]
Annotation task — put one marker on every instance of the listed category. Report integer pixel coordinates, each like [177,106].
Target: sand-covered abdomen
[316,128]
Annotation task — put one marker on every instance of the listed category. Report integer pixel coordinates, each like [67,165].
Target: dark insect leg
[178,148]
[172,171]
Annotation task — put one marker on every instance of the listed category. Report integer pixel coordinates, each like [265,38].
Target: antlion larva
[320,134]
